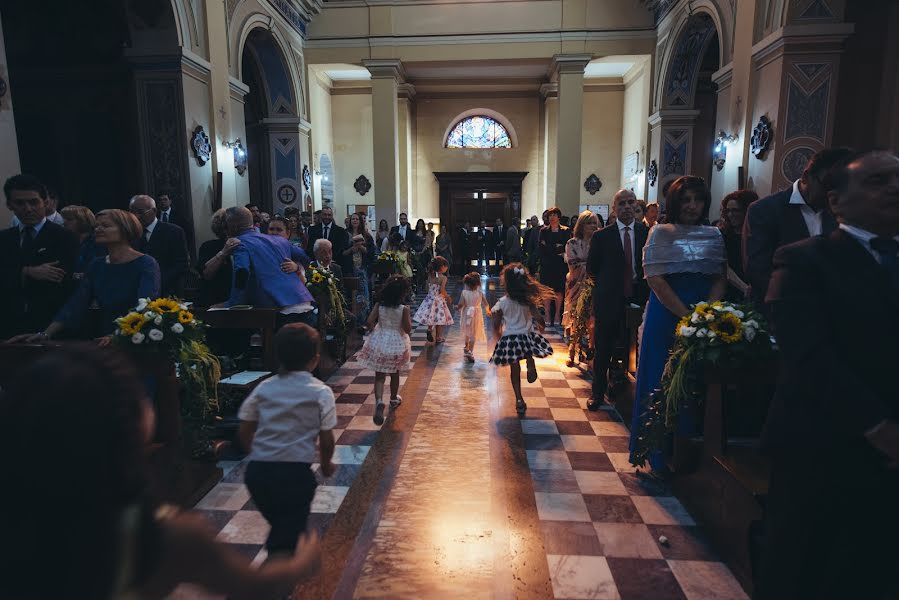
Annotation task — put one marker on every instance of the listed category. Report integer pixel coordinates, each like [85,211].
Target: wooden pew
[263,319]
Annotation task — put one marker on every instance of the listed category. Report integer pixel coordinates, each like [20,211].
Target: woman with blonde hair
[576,251]
[81,221]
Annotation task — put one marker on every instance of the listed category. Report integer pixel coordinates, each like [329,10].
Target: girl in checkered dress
[518,325]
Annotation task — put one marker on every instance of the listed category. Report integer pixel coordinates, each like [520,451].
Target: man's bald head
[144,208]
[238,219]
[623,204]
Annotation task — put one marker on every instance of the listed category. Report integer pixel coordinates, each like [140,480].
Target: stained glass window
[478,132]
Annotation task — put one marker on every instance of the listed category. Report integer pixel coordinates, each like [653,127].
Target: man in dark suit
[167,214]
[163,241]
[786,217]
[465,244]
[332,232]
[498,242]
[484,246]
[833,426]
[616,264]
[38,260]
[405,230]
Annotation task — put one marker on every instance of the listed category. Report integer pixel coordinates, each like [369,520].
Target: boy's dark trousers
[283,493]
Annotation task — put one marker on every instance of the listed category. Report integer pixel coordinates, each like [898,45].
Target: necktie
[887,249]
[28,240]
[165,217]
[325,231]
[628,264]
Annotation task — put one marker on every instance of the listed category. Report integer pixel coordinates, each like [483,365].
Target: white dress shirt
[148,230]
[863,237]
[166,215]
[621,227]
[402,230]
[811,217]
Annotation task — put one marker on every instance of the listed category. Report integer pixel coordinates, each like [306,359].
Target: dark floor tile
[611,509]
[248,550]
[640,485]
[532,392]
[352,398]
[590,461]
[217,518]
[343,475]
[543,442]
[554,383]
[343,421]
[250,505]
[357,437]
[539,413]
[684,543]
[236,474]
[555,480]
[562,403]
[615,443]
[574,428]
[599,415]
[337,389]
[366,410]
[641,578]
[564,537]
[319,522]
[370,379]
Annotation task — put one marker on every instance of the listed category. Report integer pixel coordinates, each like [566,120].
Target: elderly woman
[576,251]
[684,263]
[81,221]
[113,283]
[553,238]
[214,263]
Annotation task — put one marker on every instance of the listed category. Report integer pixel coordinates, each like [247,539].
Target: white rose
[749,334]
[710,317]
[156,335]
[137,338]
[739,314]
[158,320]
[752,323]
[183,306]
[694,319]
[686,331]
[722,308]
[177,328]
[712,334]
[142,304]
[149,315]
[702,333]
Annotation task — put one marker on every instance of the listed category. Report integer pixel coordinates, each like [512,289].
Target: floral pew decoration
[386,264]
[580,347]
[331,303]
[717,334]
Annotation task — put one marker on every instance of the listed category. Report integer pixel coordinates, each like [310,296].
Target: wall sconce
[316,169]
[719,153]
[240,155]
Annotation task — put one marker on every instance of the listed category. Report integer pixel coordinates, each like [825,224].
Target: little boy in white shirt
[279,423]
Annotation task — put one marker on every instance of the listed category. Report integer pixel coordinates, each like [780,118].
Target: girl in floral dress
[470,309]
[434,310]
[388,349]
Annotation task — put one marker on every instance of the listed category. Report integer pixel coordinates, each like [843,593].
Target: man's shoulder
[773,201]
[805,252]
[169,229]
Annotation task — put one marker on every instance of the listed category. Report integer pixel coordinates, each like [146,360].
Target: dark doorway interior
[706,102]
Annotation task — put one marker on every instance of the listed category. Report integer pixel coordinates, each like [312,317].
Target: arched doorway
[272,125]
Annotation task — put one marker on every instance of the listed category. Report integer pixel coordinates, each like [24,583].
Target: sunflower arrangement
[167,326]
[717,334]
[387,263]
[323,287]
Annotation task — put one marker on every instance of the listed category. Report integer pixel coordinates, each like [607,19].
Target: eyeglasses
[139,212]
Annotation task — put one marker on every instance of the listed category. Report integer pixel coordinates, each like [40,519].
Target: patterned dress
[519,340]
[433,309]
[388,348]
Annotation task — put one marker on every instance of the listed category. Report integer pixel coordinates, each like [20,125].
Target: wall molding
[482,38]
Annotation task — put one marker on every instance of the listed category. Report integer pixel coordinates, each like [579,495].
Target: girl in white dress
[470,310]
[434,310]
[388,348]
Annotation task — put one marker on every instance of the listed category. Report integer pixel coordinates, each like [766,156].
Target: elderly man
[165,242]
[259,278]
[833,427]
[323,251]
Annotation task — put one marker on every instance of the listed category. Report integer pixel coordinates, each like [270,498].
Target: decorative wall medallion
[287,194]
[362,185]
[240,158]
[592,184]
[761,137]
[794,162]
[307,177]
[199,141]
[653,172]
[675,158]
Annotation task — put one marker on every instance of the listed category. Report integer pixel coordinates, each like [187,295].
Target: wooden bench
[263,319]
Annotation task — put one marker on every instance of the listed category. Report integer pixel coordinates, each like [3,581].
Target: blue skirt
[655,345]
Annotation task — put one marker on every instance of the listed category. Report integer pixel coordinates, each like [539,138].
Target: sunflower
[728,327]
[317,277]
[164,305]
[131,323]
[185,317]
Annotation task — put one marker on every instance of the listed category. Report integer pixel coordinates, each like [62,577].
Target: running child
[434,310]
[469,306]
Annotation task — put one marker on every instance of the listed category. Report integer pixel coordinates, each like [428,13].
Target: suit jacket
[176,217]
[498,240]
[770,223]
[168,246]
[338,237]
[410,233]
[835,371]
[464,244]
[28,305]
[512,248]
[605,263]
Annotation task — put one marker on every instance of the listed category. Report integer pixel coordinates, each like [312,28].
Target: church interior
[460,114]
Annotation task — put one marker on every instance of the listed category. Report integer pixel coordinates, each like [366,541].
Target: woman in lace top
[684,263]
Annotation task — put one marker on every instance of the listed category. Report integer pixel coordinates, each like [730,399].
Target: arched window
[478,131]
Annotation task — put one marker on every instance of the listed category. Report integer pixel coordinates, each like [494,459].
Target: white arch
[499,118]
[185,23]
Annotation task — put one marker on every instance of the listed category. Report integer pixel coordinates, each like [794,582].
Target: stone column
[406,128]
[671,135]
[386,75]
[549,122]
[568,72]
[9,147]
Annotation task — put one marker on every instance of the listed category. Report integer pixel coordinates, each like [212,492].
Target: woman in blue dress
[684,263]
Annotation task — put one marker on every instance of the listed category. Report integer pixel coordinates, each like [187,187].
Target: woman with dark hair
[553,238]
[733,213]
[382,234]
[684,263]
[359,255]
[111,539]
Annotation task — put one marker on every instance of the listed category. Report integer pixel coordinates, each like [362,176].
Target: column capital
[673,117]
[569,64]
[549,91]
[386,68]
[405,91]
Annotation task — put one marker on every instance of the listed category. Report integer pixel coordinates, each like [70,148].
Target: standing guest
[786,217]
[113,283]
[163,241]
[466,242]
[167,214]
[398,246]
[485,247]
[421,233]
[733,213]
[322,250]
[38,260]
[332,232]
[81,221]
[565,221]
[346,222]
[545,217]
[430,237]
[518,327]
[51,207]
[823,540]
[360,255]
[259,277]
[305,223]
[529,226]
[512,246]
[498,241]
[214,263]
[532,246]
[640,211]
[434,310]
[685,263]
[404,229]
[443,245]
[122,544]
[553,238]
[382,234]
[651,214]
[422,255]
[388,349]
[257,214]
[615,262]
[280,422]
[317,218]
[577,250]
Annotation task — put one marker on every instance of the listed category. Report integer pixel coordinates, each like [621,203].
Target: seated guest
[733,213]
[118,541]
[163,241]
[397,245]
[833,427]
[113,283]
[214,263]
[324,258]
[259,276]
[81,221]
[38,260]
